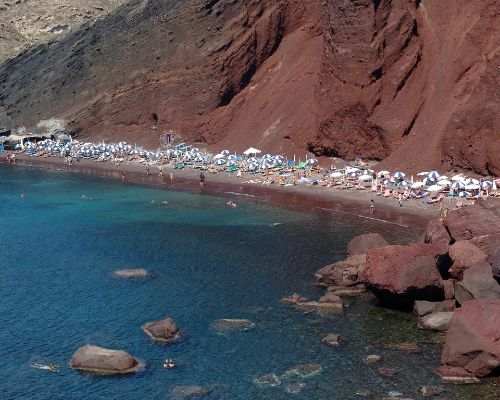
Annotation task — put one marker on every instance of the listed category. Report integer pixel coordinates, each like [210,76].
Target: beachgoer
[238,174]
[400,200]
[147,170]
[123,176]
[160,167]
[202,179]
[21,195]
[171,177]
[372,206]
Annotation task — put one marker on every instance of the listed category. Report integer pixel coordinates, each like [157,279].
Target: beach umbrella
[428,181]
[402,183]
[472,182]
[365,178]
[351,170]
[312,161]
[442,178]
[433,175]
[251,150]
[434,188]
[399,175]
[472,186]
[444,182]
[464,194]
[380,173]
[336,175]
[486,185]
[458,185]
[417,185]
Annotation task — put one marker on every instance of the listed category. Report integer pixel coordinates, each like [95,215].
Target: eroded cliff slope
[413,83]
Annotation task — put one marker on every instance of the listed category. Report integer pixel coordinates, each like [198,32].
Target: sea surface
[62,236]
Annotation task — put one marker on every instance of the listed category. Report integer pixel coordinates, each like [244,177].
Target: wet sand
[353,204]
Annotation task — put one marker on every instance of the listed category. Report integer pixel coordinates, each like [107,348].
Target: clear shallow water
[58,252]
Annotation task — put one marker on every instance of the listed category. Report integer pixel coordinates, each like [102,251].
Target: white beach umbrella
[350,170]
[417,185]
[336,174]
[433,175]
[380,173]
[458,185]
[399,175]
[464,194]
[365,178]
[472,186]
[251,150]
[442,178]
[472,181]
[434,188]
[312,161]
[444,182]
[486,185]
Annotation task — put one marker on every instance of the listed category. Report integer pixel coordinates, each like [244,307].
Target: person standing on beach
[123,176]
[171,177]
[202,179]
[160,167]
[400,200]
[372,206]
[147,169]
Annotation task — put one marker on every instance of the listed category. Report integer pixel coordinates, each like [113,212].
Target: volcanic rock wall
[413,83]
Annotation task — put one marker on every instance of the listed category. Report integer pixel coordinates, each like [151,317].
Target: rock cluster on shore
[450,279]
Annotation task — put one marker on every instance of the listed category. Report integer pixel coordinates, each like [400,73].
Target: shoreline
[318,199]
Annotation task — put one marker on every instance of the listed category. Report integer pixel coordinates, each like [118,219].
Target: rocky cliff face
[413,83]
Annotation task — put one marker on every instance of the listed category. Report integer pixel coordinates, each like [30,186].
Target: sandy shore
[353,204]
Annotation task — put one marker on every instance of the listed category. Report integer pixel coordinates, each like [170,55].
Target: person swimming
[231,204]
[169,363]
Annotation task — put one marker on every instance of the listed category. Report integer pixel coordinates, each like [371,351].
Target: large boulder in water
[363,243]
[399,275]
[472,343]
[422,307]
[464,254]
[188,392]
[101,361]
[478,283]
[436,233]
[165,330]
[343,273]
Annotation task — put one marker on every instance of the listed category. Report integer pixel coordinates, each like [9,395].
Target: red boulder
[436,233]
[472,343]
[399,275]
[478,283]
[363,243]
[464,254]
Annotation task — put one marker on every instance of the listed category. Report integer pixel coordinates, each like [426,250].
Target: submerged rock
[372,358]
[293,299]
[101,361]
[268,380]
[165,330]
[332,339]
[472,343]
[456,375]
[331,297]
[386,372]
[325,308]
[295,388]
[428,391]
[347,291]
[438,321]
[131,273]
[232,325]
[404,346]
[304,370]
[188,392]
[361,244]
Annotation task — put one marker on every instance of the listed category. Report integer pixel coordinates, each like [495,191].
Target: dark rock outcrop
[464,254]
[101,361]
[472,344]
[478,283]
[361,244]
[332,339]
[399,275]
[165,330]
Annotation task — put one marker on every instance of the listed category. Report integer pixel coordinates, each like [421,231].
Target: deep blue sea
[57,253]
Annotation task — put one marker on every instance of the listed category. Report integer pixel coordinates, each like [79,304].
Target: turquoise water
[58,251]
